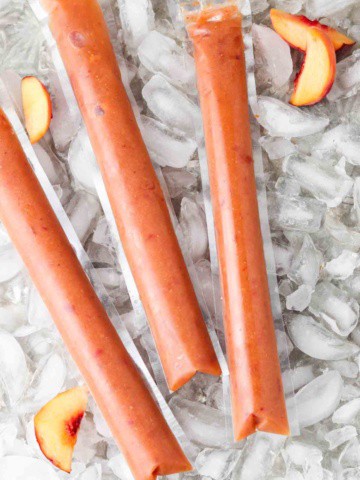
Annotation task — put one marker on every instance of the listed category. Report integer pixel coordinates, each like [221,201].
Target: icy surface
[319,399]
[283,120]
[316,341]
[311,161]
[272,55]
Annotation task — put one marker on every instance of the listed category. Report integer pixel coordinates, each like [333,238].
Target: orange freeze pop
[256,385]
[135,195]
[118,388]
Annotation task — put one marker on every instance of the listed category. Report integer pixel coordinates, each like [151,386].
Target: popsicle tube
[134,418]
[255,376]
[135,195]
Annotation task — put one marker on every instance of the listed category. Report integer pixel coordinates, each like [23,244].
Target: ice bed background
[311,160]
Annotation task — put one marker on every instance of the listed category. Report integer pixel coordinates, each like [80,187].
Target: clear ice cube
[273,60]
[166,147]
[317,341]
[319,398]
[283,120]
[327,184]
[171,106]
[161,54]
[335,307]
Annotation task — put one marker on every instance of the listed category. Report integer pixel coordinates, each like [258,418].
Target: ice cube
[193,224]
[111,278]
[347,413]
[316,341]
[64,125]
[135,324]
[85,448]
[204,275]
[340,435]
[52,166]
[161,54]
[350,392]
[346,236]
[137,19]
[14,467]
[259,456]
[295,213]
[301,454]
[8,434]
[12,317]
[319,398]
[82,161]
[297,378]
[291,6]
[258,6]
[202,424]
[305,267]
[272,57]
[120,467]
[91,473]
[343,140]
[306,456]
[217,464]
[347,81]
[283,258]
[356,195]
[299,299]
[327,8]
[179,181]
[10,263]
[14,373]
[19,53]
[283,120]
[171,106]
[327,184]
[352,286]
[346,368]
[102,234]
[38,313]
[350,457]
[12,82]
[165,146]
[277,147]
[335,307]
[48,382]
[343,266]
[215,396]
[83,211]
[288,186]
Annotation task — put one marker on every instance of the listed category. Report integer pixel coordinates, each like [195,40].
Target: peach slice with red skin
[293,29]
[57,425]
[37,108]
[318,71]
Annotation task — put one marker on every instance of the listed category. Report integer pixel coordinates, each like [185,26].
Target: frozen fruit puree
[256,385]
[118,388]
[135,195]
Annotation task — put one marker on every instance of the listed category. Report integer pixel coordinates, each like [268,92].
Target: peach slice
[317,73]
[57,425]
[37,107]
[293,28]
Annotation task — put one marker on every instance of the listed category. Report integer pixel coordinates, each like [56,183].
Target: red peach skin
[118,388]
[256,385]
[293,29]
[136,198]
